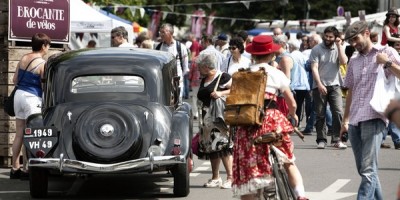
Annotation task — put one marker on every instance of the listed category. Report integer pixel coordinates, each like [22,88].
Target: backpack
[245,103]
[178,48]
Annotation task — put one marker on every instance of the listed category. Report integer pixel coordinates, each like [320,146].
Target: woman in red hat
[390,27]
[251,168]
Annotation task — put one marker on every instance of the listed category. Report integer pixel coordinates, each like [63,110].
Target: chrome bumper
[61,163]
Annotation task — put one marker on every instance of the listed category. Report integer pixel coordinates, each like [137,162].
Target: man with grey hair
[178,50]
[277,31]
[313,41]
[285,62]
[299,81]
[119,37]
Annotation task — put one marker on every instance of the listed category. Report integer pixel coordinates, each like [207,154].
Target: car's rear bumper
[142,163]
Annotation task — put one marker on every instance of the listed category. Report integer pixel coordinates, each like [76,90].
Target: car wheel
[38,182]
[107,133]
[181,179]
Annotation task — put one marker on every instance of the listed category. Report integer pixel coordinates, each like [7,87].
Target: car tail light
[40,154]
[28,131]
[176,150]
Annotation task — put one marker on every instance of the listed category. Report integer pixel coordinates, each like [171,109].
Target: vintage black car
[110,110]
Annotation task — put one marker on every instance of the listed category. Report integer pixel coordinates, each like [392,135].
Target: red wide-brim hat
[262,45]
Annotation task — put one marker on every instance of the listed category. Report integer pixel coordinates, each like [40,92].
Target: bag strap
[23,74]
[229,62]
[158,47]
[216,85]
[178,48]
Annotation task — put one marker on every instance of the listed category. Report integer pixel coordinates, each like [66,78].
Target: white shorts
[26,104]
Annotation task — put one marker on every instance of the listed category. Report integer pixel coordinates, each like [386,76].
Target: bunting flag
[142,11]
[246,4]
[347,16]
[361,15]
[171,8]
[121,10]
[211,3]
[79,35]
[164,15]
[233,21]
[133,11]
[94,35]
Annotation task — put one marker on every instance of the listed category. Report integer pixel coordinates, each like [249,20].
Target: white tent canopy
[86,20]
[375,19]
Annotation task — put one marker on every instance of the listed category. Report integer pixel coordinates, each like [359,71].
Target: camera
[345,137]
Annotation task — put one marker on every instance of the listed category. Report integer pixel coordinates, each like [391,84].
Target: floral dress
[251,167]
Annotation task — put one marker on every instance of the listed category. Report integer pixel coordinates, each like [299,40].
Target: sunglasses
[232,48]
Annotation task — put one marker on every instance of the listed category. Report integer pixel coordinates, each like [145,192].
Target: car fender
[34,120]
[182,130]
[185,107]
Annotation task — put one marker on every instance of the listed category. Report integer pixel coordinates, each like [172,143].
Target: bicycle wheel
[284,191]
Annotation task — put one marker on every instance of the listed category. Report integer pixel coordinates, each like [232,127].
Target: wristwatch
[388,64]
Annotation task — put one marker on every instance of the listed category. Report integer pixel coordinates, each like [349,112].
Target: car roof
[156,67]
[158,58]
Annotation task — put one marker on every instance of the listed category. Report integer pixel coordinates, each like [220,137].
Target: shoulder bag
[9,101]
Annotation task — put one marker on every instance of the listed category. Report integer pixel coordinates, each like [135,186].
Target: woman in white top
[235,59]
[251,168]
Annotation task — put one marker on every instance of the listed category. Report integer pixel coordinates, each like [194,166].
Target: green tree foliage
[265,10]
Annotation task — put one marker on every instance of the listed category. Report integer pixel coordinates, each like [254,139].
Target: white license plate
[42,138]
[40,132]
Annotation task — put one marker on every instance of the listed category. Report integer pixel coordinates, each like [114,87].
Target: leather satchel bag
[245,103]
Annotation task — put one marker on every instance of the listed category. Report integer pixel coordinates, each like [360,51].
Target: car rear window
[107,83]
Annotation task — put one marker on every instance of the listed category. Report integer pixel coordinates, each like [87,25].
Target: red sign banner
[27,17]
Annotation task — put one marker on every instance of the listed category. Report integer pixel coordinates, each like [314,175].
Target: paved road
[328,174]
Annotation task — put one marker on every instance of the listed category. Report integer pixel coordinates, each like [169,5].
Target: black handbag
[9,101]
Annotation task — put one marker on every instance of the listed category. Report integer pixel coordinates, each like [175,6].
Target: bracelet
[391,113]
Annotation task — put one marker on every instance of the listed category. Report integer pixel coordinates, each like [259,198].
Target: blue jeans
[394,132]
[366,139]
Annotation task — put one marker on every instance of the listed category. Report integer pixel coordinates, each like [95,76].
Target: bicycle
[280,189]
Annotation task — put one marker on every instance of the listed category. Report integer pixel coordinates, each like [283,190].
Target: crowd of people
[331,78]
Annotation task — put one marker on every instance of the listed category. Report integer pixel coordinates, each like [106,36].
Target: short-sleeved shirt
[212,50]
[327,59]
[362,71]
[206,88]
[172,49]
[276,80]
[229,66]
